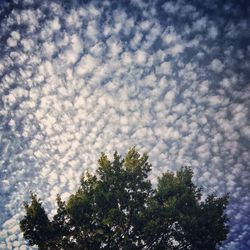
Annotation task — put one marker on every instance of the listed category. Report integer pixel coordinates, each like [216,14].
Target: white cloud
[213,32]
[49,48]
[164,69]
[169,97]
[140,57]
[145,25]
[136,41]
[200,24]
[86,65]
[246,132]
[171,7]
[73,19]
[127,58]
[92,30]
[98,49]
[152,36]
[12,41]
[27,44]
[170,36]
[114,47]
[176,49]
[217,66]
[15,35]
[55,24]
[181,108]
[215,101]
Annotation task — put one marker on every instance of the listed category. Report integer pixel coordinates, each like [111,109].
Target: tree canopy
[118,208]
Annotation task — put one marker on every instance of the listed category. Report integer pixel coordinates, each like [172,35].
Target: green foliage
[36,225]
[118,209]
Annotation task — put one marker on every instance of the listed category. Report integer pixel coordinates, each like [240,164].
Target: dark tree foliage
[119,209]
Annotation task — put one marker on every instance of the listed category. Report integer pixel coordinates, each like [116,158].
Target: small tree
[119,209]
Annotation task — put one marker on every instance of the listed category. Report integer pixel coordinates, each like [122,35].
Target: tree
[117,208]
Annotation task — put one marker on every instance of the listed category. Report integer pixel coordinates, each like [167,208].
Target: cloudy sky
[81,77]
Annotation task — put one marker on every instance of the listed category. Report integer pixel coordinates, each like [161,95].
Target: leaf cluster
[119,209]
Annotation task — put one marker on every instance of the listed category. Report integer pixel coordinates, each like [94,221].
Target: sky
[78,78]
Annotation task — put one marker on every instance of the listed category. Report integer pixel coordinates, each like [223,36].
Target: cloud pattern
[79,78]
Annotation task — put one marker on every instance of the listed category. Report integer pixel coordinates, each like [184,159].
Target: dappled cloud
[81,78]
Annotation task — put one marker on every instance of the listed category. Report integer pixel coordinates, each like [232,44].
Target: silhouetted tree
[119,209]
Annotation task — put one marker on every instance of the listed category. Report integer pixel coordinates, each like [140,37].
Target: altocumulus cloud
[171,77]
